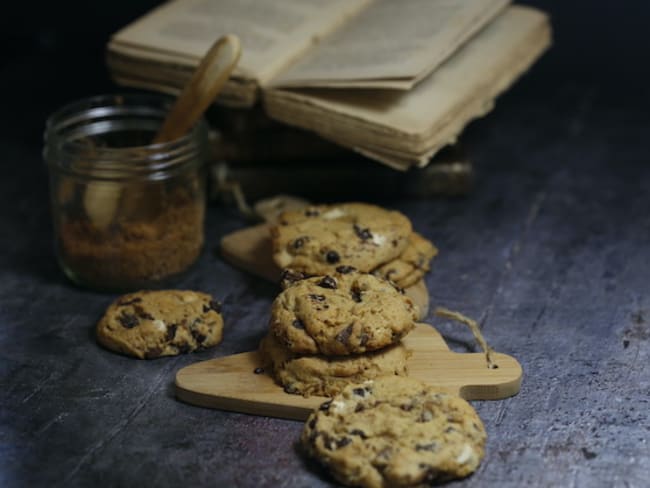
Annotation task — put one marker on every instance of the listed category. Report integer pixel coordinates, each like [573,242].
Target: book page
[273,33]
[391,44]
[403,128]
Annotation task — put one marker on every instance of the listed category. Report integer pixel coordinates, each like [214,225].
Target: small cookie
[149,324]
[343,313]
[328,375]
[395,432]
[319,238]
[411,265]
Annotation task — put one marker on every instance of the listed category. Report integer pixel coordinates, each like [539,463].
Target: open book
[395,81]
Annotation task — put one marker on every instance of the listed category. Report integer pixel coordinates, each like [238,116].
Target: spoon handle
[202,88]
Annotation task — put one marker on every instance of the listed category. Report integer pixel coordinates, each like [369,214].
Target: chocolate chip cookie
[317,239]
[328,375]
[411,265]
[149,324]
[395,432]
[342,313]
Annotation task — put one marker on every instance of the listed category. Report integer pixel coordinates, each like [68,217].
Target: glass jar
[128,214]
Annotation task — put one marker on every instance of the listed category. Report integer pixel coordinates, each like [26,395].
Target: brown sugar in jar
[127,214]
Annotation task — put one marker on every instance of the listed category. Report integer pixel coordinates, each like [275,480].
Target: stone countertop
[550,252]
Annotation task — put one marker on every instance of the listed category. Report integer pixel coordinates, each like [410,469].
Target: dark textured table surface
[551,252]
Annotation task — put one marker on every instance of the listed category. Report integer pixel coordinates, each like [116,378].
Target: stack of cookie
[317,239]
[342,314]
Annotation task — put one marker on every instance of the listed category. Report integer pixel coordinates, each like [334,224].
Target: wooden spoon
[101,199]
[202,88]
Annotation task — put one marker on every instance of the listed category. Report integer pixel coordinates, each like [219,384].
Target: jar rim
[68,152]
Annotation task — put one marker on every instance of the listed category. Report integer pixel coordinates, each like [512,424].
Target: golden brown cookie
[149,324]
[395,432]
[346,312]
[411,265]
[319,238]
[328,375]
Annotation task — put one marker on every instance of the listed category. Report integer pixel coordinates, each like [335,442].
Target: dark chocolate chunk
[342,442]
[356,294]
[216,305]
[128,320]
[427,447]
[344,269]
[363,234]
[152,353]
[312,423]
[183,348]
[359,408]
[332,257]
[328,282]
[171,332]
[298,324]
[363,339]
[312,212]
[325,406]
[299,242]
[359,392]
[258,370]
[142,313]
[290,276]
[131,301]
[198,337]
[318,298]
[360,433]
[344,336]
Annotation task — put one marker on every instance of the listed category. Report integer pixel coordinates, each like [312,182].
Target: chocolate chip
[152,353]
[183,348]
[359,408]
[363,234]
[142,313]
[344,269]
[426,447]
[131,301]
[394,242]
[363,339]
[356,294]
[312,423]
[216,305]
[344,441]
[344,336]
[128,320]
[312,212]
[298,324]
[258,370]
[171,332]
[299,242]
[290,276]
[318,298]
[332,257]
[328,282]
[198,337]
[360,433]
[325,406]
[359,392]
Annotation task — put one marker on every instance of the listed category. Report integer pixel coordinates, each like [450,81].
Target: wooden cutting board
[230,383]
[250,249]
